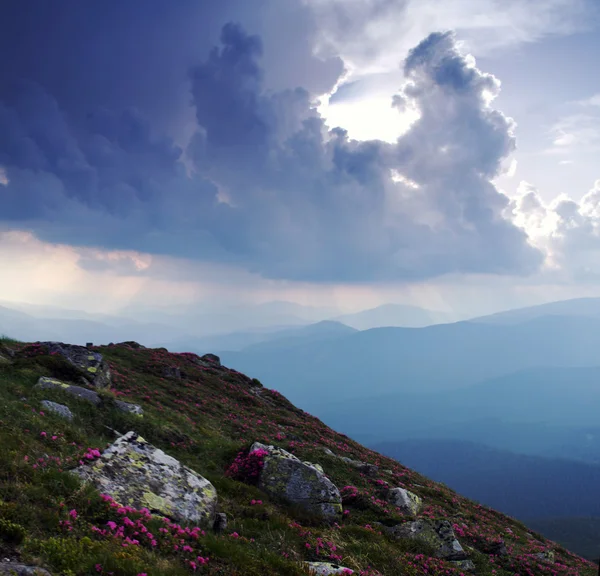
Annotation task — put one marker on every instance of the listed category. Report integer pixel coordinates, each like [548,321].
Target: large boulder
[408,502]
[96,369]
[46,383]
[137,474]
[285,477]
[437,533]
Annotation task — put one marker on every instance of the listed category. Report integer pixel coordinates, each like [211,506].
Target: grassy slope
[205,420]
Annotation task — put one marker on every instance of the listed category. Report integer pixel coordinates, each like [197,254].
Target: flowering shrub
[247,466]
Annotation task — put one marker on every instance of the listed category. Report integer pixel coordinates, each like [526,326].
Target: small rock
[220,524]
[16,569]
[128,407]
[136,473]
[212,358]
[408,502]
[546,556]
[46,383]
[497,549]
[59,409]
[172,372]
[466,565]
[325,568]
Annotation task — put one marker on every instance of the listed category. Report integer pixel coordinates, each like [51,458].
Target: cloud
[266,186]
[566,230]
[370,34]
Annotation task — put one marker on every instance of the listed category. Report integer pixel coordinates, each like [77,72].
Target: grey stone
[408,502]
[91,363]
[326,568]
[172,372]
[285,477]
[437,533]
[16,569]
[129,407]
[220,524]
[46,383]
[546,556]
[59,409]
[135,473]
[212,359]
[466,565]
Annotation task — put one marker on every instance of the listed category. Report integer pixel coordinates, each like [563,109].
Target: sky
[338,153]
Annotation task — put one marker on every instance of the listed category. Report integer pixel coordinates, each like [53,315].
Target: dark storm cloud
[88,162]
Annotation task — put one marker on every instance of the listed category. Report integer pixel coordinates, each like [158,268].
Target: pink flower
[73,513]
[43,434]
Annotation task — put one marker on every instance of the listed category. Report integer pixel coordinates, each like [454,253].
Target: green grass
[204,420]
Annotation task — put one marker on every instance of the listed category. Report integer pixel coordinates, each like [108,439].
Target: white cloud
[3,177]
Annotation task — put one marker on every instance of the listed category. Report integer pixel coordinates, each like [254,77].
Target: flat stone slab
[46,383]
[59,409]
[284,476]
[137,474]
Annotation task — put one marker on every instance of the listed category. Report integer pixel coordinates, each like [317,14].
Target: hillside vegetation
[207,417]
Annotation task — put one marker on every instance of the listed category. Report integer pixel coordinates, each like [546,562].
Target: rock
[212,359]
[497,549]
[364,467]
[172,372]
[135,473]
[325,568]
[437,533]
[128,407]
[132,344]
[466,565]
[408,502]
[59,409]
[89,344]
[220,524]
[81,393]
[546,556]
[16,569]
[92,363]
[284,476]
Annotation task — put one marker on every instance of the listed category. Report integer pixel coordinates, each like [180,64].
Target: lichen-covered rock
[437,533]
[16,569]
[91,363]
[408,502]
[546,556]
[284,476]
[46,383]
[326,569]
[137,474]
[60,409]
[129,407]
